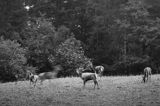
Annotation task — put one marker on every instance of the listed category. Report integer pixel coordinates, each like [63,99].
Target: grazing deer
[99,70]
[86,76]
[147,74]
[47,75]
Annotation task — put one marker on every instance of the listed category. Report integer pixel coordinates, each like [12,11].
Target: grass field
[114,91]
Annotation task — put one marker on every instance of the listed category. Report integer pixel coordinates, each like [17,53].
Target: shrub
[12,60]
[70,55]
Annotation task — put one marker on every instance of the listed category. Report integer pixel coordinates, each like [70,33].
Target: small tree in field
[12,60]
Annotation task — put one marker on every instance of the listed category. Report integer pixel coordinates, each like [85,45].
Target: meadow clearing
[114,91]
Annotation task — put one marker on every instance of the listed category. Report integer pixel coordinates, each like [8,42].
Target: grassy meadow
[114,91]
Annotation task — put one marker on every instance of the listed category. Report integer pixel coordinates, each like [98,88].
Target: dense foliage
[121,35]
[12,60]
[70,55]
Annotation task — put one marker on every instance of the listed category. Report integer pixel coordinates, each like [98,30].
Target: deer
[147,74]
[87,75]
[33,78]
[47,75]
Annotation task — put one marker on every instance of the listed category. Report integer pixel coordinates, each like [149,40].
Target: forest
[43,35]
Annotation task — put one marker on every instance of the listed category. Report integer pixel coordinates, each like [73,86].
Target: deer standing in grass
[86,76]
[147,74]
[32,78]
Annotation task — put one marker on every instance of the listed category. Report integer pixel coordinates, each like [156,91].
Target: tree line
[38,35]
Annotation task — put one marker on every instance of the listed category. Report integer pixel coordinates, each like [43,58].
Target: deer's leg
[84,83]
[41,81]
[96,83]
[150,77]
[35,82]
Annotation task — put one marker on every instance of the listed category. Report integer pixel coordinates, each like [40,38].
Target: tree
[41,39]
[12,60]
[13,18]
[139,31]
[70,55]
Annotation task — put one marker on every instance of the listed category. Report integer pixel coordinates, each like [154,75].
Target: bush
[70,55]
[12,60]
